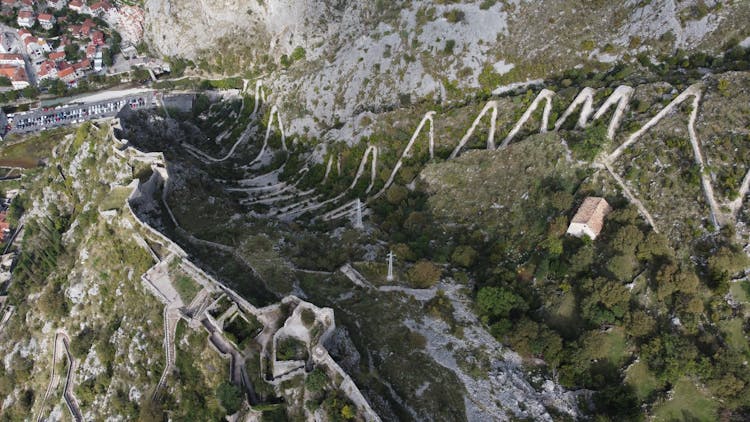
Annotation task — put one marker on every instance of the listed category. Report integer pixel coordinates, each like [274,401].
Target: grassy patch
[241,331]
[609,345]
[377,272]
[644,382]
[563,317]
[741,291]
[734,334]
[29,152]
[115,199]
[186,287]
[291,348]
[688,403]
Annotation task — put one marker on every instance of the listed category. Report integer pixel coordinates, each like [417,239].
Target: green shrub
[230,397]
[454,15]
[424,274]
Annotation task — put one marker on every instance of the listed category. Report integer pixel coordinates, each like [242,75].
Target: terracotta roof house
[57,55]
[90,51]
[100,7]
[26,18]
[76,5]
[14,59]
[68,74]
[97,37]
[23,33]
[46,20]
[589,220]
[84,64]
[16,74]
[47,70]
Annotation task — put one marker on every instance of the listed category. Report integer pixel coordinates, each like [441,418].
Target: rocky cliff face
[370,56]
[192,29]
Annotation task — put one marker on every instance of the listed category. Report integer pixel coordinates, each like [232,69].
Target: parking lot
[51,117]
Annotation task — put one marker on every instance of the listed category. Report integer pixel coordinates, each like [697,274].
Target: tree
[672,278]
[622,267]
[607,301]
[627,239]
[30,92]
[347,412]
[532,339]
[316,381]
[618,402]
[582,260]
[395,194]
[640,324]
[230,397]
[655,245]
[497,302]
[107,56]
[725,263]
[464,256]
[424,274]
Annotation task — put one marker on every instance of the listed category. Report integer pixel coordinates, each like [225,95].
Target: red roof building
[76,5]
[589,220]
[46,20]
[23,33]
[97,37]
[26,18]
[47,70]
[68,74]
[57,55]
[101,7]
[8,2]
[14,59]
[82,65]
[90,51]
[16,74]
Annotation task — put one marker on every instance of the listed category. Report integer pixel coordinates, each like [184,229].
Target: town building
[47,70]
[57,4]
[26,18]
[12,59]
[16,74]
[589,220]
[76,6]
[6,43]
[23,33]
[57,55]
[67,75]
[46,20]
[130,24]
[98,62]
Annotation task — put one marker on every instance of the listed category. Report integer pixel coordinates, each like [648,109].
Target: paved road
[48,118]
